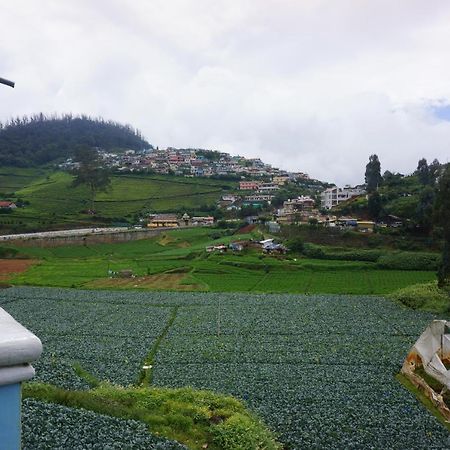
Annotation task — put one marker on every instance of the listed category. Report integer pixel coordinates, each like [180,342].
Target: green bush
[313,251]
[296,245]
[409,261]
[425,296]
[316,252]
[242,432]
[6,252]
[355,255]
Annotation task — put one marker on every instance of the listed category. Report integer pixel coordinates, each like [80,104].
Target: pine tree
[373,174]
[423,172]
[442,219]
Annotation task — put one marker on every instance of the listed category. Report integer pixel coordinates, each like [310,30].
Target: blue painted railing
[18,347]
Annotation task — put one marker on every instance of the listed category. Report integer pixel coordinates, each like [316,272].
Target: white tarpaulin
[433,347]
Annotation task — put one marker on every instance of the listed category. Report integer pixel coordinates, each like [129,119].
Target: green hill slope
[51,201]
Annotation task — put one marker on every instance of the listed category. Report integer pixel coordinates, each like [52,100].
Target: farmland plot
[108,338]
[318,369]
[57,427]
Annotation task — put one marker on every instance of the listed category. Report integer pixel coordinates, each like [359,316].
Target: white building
[333,196]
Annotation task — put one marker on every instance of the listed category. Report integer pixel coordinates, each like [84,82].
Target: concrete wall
[87,239]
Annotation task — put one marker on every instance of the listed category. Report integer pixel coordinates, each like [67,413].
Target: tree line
[433,209]
[40,139]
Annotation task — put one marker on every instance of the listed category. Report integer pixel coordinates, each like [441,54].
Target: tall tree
[435,170]
[373,174]
[424,210]
[423,172]
[442,219]
[375,205]
[90,172]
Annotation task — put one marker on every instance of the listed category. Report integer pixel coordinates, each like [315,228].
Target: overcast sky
[307,85]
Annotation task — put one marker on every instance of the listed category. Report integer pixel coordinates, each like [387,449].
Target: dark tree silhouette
[40,139]
[423,172]
[374,205]
[442,219]
[373,174]
[435,170]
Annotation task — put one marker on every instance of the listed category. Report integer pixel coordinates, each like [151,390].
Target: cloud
[311,86]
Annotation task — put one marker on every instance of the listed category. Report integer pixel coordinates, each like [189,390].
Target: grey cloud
[311,86]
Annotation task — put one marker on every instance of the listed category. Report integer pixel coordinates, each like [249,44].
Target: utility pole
[7,82]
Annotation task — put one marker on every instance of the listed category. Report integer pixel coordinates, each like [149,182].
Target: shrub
[355,255]
[240,432]
[6,252]
[312,251]
[425,296]
[296,245]
[409,261]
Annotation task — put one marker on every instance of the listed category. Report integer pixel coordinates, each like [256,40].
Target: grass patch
[426,296]
[192,417]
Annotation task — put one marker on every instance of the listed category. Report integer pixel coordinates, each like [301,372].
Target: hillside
[38,140]
[49,200]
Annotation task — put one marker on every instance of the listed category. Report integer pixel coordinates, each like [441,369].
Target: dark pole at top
[7,82]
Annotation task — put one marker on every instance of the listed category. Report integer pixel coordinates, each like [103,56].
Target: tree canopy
[442,218]
[40,139]
[373,174]
[423,172]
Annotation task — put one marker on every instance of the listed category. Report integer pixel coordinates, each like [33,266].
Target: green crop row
[49,426]
[318,369]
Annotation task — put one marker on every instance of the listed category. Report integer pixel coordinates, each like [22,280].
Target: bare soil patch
[170,281]
[9,267]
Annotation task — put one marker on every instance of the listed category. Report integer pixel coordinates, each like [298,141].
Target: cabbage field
[318,369]
[55,427]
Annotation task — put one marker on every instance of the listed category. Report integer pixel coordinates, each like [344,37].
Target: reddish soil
[246,229]
[10,267]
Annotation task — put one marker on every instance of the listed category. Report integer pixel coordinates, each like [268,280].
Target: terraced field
[52,201]
[177,260]
[318,369]
[16,178]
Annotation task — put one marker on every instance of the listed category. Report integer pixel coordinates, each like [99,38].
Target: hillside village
[186,162]
[259,184]
[229,188]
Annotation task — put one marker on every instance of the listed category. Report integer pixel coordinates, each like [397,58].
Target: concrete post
[18,347]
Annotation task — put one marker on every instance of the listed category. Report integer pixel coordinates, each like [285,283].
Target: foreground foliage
[319,370]
[196,418]
[426,296]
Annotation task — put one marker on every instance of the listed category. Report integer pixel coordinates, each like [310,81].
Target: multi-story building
[280,179]
[259,198]
[302,203]
[268,187]
[333,196]
[249,185]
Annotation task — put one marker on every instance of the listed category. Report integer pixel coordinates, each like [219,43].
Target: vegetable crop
[318,369]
